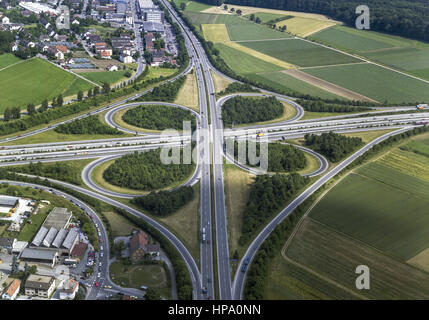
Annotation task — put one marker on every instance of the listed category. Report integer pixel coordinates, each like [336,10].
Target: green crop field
[282,81]
[266,16]
[408,59]
[355,40]
[105,76]
[253,31]
[333,257]
[7,59]
[192,6]
[287,281]
[243,63]
[34,80]
[367,207]
[300,53]
[375,82]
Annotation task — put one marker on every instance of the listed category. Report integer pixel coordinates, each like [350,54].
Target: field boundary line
[332,65]
[71,72]
[320,276]
[365,59]
[326,85]
[13,64]
[259,40]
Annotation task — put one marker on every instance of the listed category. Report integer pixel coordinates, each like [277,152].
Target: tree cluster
[248,110]
[399,17]
[88,125]
[158,117]
[59,170]
[321,106]
[164,203]
[281,157]
[237,87]
[166,92]
[332,145]
[145,171]
[268,194]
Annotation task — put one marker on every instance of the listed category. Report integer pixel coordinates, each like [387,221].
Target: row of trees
[281,157]
[400,17]
[321,106]
[248,110]
[237,87]
[164,203]
[59,170]
[268,194]
[333,145]
[158,117]
[88,125]
[144,171]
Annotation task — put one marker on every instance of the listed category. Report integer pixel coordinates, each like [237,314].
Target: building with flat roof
[7,243]
[8,201]
[40,255]
[149,26]
[58,218]
[37,285]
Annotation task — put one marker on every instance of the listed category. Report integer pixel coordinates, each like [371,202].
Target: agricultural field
[252,31]
[401,53]
[374,82]
[353,207]
[34,80]
[304,27]
[333,257]
[266,16]
[8,59]
[192,6]
[215,32]
[188,95]
[260,55]
[105,76]
[287,281]
[282,81]
[244,63]
[300,53]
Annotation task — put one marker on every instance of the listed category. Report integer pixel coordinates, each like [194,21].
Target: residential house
[5,20]
[12,290]
[112,67]
[62,48]
[37,285]
[69,289]
[138,245]
[60,37]
[125,58]
[52,50]
[14,46]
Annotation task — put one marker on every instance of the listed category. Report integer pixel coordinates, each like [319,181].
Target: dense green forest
[145,171]
[332,145]
[237,87]
[268,194]
[163,203]
[158,117]
[88,125]
[406,18]
[281,157]
[239,110]
[320,106]
[166,92]
[59,170]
